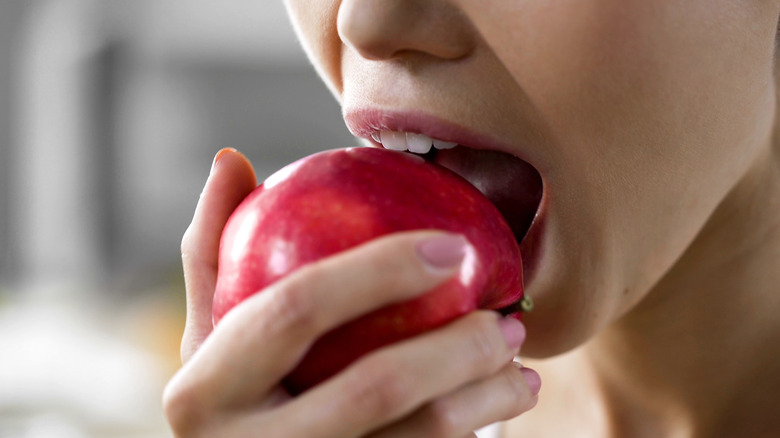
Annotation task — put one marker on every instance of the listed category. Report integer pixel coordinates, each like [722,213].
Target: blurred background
[110,114]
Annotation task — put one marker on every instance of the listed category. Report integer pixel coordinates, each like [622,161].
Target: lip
[366,121]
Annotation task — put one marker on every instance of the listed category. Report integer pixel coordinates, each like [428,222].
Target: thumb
[230,181]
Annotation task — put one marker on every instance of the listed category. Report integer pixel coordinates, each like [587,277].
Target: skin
[652,123]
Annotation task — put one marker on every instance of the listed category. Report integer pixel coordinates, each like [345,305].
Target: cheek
[315,25]
[637,100]
[652,107]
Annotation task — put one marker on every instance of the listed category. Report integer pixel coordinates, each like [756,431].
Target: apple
[334,200]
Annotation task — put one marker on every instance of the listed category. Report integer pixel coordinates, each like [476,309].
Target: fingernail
[513,331]
[443,252]
[219,156]
[532,379]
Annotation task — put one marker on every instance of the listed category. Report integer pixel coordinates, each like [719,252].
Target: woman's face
[639,115]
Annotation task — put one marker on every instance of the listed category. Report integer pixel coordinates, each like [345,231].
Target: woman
[653,259]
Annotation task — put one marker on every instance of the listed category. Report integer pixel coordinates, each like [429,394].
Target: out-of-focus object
[114,111]
[64,375]
[121,106]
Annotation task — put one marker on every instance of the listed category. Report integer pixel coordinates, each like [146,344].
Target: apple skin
[337,199]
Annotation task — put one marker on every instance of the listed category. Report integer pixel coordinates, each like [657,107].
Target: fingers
[392,382]
[502,396]
[230,180]
[257,343]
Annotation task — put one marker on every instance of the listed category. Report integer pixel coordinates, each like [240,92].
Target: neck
[699,354]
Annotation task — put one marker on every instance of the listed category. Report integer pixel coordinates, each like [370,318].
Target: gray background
[110,114]
[112,111]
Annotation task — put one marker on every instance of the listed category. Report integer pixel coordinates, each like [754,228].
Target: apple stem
[526,304]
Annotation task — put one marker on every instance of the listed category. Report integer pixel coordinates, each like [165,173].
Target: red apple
[334,200]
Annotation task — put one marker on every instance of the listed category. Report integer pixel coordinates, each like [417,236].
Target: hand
[444,383]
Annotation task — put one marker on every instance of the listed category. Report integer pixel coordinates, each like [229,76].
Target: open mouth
[514,186]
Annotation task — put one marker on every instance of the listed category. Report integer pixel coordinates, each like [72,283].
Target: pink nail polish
[443,252]
[513,331]
[532,379]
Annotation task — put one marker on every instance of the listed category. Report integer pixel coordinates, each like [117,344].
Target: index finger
[230,181]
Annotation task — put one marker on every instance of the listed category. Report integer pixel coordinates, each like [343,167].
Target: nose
[386,29]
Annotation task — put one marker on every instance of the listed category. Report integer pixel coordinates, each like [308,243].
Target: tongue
[511,184]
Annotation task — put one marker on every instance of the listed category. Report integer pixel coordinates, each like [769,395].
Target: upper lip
[366,121]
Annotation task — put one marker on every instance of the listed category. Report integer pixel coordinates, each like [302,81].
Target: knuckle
[182,408]
[294,305]
[378,390]
[518,396]
[442,419]
[484,346]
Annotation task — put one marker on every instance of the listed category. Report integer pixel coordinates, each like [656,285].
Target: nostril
[382,29]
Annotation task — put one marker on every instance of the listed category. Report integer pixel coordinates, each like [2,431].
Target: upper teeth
[402,141]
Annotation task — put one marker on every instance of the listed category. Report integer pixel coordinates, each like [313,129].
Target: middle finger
[392,382]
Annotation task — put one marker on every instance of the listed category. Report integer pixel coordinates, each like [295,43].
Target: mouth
[512,184]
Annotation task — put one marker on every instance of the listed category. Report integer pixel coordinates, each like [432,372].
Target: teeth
[438,144]
[418,143]
[402,141]
[392,140]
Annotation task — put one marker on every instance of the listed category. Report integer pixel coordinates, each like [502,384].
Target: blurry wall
[120,107]
[110,114]
[12,13]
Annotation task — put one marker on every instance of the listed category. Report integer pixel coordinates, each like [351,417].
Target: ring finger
[502,396]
